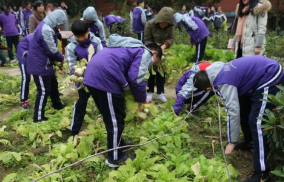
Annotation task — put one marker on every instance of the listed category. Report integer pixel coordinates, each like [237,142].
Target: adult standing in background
[64,7]
[24,18]
[251,29]
[139,20]
[37,16]
[159,31]
[9,26]
[219,19]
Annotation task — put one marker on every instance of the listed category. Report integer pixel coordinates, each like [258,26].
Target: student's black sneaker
[60,107]
[42,120]
[116,163]
[259,176]
[244,146]
[25,105]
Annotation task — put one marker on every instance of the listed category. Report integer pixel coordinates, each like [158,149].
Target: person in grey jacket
[251,29]
[90,16]
[245,82]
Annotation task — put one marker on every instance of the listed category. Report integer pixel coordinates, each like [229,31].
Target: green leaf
[278,173]
[9,177]
[84,148]
[17,156]
[5,142]
[32,136]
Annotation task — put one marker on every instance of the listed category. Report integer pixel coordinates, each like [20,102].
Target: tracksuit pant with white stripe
[200,49]
[252,108]
[141,36]
[25,83]
[112,107]
[79,111]
[46,86]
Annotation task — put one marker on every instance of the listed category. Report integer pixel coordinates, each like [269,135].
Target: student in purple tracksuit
[22,54]
[90,16]
[200,11]
[112,19]
[43,53]
[24,17]
[197,30]
[120,67]
[246,80]
[185,87]
[139,20]
[78,49]
[8,25]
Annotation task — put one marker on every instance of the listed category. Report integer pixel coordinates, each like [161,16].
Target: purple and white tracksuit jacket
[96,26]
[111,19]
[139,20]
[22,49]
[195,27]
[43,47]
[121,66]
[184,89]
[239,78]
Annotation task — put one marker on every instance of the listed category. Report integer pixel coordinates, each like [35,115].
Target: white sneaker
[13,61]
[150,96]
[161,97]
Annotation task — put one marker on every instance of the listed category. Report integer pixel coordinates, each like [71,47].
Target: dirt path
[8,113]
[11,71]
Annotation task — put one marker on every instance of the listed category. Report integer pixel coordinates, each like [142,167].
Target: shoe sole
[111,165]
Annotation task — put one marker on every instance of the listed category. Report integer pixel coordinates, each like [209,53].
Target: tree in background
[276,14]
[191,3]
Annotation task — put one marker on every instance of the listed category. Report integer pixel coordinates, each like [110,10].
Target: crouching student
[197,30]
[111,71]
[186,91]
[90,16]
[112,19]
[22,54]
[77,50]
[247,79]
[43,53]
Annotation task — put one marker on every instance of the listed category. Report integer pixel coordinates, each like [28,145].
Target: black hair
[28,4]
[2,8]
[79,27]
[62,2]
[7,10]
[252,4]
[37,4]
[201,80]
[208,14]
[157,48]
[55,5]
[139,2]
